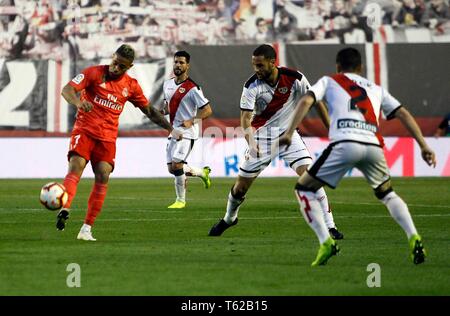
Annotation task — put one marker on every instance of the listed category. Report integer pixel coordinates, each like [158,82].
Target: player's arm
[246,125]
[411,125]
[69,93]
[203,113]
[164,109]
[303,107]
[157,118]
[323,113]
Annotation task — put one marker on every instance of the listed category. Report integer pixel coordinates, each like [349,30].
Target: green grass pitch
[143,248]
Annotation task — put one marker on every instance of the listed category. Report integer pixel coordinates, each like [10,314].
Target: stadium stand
[91,28]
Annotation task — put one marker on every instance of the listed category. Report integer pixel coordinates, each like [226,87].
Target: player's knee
[238,191]
[301,169]
[77,165]
[78,170]
[176,165]
[306,183]
[102,177]
[381,192]
[178,172]
[304,188]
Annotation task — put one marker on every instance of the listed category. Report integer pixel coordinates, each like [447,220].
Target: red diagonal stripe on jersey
[175,100]
[369,114]
[278,100]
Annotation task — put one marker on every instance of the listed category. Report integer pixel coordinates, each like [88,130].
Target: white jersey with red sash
[183,100]
[354,105]
[273,106]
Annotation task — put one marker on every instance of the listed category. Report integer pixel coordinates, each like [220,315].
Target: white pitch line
[294,201]
[38,210]
[262,218]
[279,201]
[11,211]
[375,203]
[215,218]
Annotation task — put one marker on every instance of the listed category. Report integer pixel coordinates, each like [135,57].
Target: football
[53,196]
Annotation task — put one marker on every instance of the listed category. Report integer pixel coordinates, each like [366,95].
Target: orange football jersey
[108,99]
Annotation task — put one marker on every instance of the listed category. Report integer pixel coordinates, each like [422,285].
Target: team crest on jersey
[181,90]
[125,92]
[283,90]
[78,78]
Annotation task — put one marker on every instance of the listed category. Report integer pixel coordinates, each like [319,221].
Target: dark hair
[183,53]
[265,50]
[126,51]
[259,20]
[348,58]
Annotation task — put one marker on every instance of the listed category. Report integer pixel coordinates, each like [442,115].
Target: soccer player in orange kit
[104,91]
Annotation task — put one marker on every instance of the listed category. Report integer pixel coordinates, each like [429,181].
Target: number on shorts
[74,144]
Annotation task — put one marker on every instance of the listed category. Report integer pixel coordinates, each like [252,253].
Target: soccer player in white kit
[267,103]
[186,105]
[354,105]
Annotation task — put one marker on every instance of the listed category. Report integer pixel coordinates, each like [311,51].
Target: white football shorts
[296,155]
[178,150]
[338,158]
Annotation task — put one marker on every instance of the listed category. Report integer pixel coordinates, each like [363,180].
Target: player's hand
[188,123]
[285,140]
[86,106]
[429,156]
[177,134]
[253,151]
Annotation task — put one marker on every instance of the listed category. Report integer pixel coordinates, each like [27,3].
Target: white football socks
[312,212]
[400,213]
[232,209]
[327,215]
[180,187]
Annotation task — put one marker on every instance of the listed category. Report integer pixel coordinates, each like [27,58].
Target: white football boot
[85,233]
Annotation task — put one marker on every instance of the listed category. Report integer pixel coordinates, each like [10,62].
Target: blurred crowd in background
[89,29]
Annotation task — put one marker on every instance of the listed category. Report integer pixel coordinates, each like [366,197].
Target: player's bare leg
[76,167]
[102,170]
[325,207]
[176,168]
[307,193]
[235,198]
[202,173]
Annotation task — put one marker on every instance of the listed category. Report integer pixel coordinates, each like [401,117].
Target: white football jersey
[273,106]
[183,100]
[354,105]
